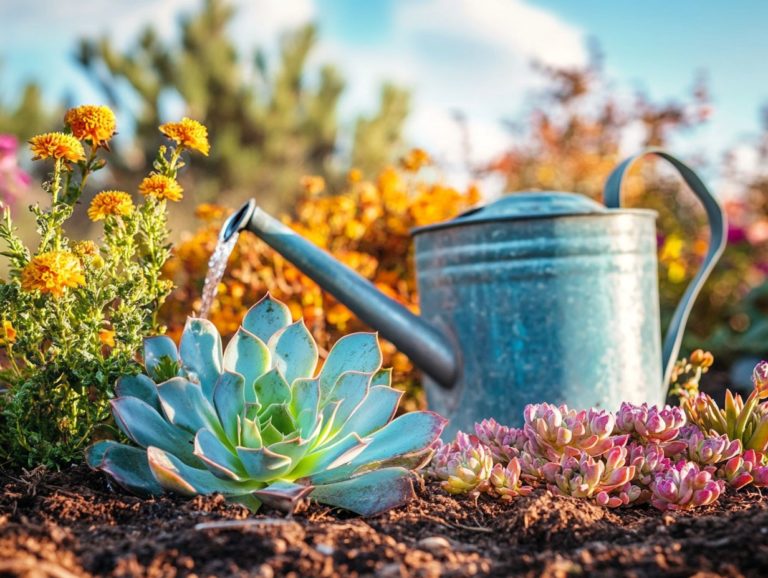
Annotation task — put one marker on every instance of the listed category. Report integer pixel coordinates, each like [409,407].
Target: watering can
[540,296]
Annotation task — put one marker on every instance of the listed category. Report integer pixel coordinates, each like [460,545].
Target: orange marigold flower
[210,212]
[415,159]
[52,272]
[313,185]
[57,145]
[161,187]
[110,203]
[8,333]
[354,176]
[107,337]
[188,134]
[94,123]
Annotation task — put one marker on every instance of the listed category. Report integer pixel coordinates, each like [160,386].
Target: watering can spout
[430,349]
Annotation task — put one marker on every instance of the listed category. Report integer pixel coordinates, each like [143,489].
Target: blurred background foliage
[271,123]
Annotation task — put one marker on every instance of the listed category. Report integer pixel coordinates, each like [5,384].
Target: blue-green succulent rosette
[257,423]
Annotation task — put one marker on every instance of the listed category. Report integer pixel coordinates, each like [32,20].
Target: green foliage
[271,123]
[74,314]
[257,423]
[28,115]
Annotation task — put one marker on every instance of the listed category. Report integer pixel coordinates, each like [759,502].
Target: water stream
[217,264]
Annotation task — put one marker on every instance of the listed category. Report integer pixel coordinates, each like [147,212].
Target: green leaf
[382,377]
[267,317]
[283,495]
[156,349]
[337,454]
[174,475]
[229,399]
[140,422]
[217,457]
[373,413]
[350,390]
[126,464]
[139,386]
[247,355]
[185,406]
[201,353]
[271,388]
[294,352]
[370,493]
[263,464]
[354,352]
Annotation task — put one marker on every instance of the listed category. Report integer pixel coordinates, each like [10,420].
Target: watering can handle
[717,240]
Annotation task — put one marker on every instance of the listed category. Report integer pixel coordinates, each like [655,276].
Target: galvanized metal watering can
[534,297]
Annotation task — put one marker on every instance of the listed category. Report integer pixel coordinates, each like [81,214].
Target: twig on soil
[242,524]
[456,525]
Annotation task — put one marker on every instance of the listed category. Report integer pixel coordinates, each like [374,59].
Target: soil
[75,523]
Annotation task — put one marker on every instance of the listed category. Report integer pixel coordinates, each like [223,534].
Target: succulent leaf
[139,386]
[201,354]
[369,493]
[266,317]
[218,458]
[229,401]
[185,406]
[247,355]
[373,413]
[126,464]
[270,388]
[294,352]
[353,352]
[146,427]
[157,349]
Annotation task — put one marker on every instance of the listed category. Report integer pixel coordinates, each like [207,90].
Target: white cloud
[471,56]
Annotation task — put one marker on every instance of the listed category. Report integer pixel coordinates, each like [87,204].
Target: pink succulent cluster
[606,479]
[744,469]
[683,486]
[553,431]
[639,454]
[13,180]
[649,423]
[463,465]
[504,442]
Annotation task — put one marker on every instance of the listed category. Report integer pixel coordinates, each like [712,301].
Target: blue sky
[468,55]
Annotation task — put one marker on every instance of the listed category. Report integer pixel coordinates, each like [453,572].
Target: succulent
[648,461]
[710,450]
[587,477]
[686,374]
[739,420]
[505,481]
[650,423]
[504,442]
[257,422]
[554,431]
[744,469]
[684,486]
[463,465]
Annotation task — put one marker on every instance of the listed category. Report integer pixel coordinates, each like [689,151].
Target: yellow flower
[8,333]
[188,134]
[92,123]
[107,337]
[415,159]
[57,145]
[52,272]
[110,203]
[313,185]
[161,187]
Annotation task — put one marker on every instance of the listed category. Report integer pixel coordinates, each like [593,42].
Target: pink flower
[13,180]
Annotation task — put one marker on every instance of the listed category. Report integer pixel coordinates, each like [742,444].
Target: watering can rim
[547,204]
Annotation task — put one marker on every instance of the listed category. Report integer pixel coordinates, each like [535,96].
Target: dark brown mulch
[73,523]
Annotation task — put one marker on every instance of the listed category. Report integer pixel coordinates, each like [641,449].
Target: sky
[471,56]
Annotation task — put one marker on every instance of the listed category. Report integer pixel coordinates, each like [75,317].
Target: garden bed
[74,523]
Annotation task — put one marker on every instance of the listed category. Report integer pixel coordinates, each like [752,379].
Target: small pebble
[325,549]
[434,543]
